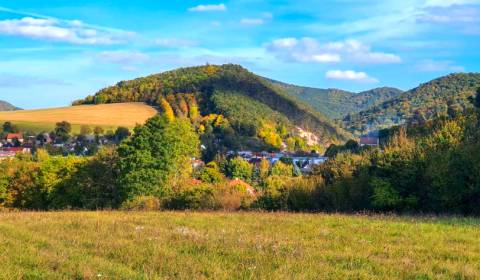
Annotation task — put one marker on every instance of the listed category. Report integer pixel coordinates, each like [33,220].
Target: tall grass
[184,245]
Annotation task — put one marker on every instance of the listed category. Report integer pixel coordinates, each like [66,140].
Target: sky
[53,52]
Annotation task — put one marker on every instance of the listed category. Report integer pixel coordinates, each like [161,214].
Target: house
[371,141]
[12,136]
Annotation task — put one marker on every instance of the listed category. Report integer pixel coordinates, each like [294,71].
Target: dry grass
[178,245]
[105,115]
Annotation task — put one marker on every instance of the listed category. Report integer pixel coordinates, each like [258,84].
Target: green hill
[255,110]
[5,106]
[448,95]
[337,103]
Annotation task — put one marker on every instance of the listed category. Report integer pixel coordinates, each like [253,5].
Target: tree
[98,130]
[238,168]
[477,99]
[62,131]
[8,127]
[156,153]
[121,133]
[85,130]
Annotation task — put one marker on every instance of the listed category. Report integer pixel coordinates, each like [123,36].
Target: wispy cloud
[175,42]
[350,75]
[13,81]
[68,31]
[208,8]
[311,50]
[429,65]
[252,21]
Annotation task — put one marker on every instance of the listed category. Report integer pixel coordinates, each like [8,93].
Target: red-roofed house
[12,136]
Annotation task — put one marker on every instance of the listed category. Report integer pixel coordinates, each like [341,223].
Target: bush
[142,203]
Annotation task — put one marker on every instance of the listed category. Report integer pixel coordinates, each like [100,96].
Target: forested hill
[448,95]
[252,106]
[337,103]
[5,106]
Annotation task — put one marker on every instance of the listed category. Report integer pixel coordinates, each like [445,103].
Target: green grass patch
[184,245]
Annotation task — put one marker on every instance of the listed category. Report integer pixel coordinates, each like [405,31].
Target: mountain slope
[337,103]
[448,95]
[5,106]
[211,88]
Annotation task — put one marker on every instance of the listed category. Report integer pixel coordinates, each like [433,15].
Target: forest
[431,167]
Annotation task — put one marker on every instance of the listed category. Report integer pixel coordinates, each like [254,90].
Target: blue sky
[53,52]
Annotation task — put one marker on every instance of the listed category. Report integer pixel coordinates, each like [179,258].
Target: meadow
[196,245]
[107,116]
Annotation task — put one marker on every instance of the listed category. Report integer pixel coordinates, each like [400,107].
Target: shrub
[142,203]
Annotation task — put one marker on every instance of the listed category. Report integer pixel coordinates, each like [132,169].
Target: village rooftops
[369,141]
[11,136]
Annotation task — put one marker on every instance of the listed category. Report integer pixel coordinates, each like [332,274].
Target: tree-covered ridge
[448,95]
[337,103]
[205,83]
[5,106]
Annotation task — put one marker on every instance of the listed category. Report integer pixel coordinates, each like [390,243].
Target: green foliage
[62,131]
[156,153]
[449,94]
[121,133]
[211,174]
[282,169]
[8,127]
[336,103]
[173,91]
[238,168]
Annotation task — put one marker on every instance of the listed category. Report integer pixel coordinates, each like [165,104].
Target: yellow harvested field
[118,114]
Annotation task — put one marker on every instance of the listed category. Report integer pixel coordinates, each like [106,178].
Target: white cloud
[350,75]
[74,32]
[456,14]
[175,42]
[251,21]
[429,65]
[122,57]
[207,8]
[310,50]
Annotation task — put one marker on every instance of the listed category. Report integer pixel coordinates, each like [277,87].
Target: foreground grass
[177,245]
[108,116]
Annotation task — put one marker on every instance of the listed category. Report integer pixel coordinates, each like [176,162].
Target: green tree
[238,168]
[156,153]
[62,131]
[8,127]
[477,98]
[121,133]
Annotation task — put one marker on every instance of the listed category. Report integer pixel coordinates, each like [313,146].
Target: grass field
[108,116]
[178,245]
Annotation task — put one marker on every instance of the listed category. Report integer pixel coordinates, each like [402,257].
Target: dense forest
[201,93]
[432,167]
[337,103]
[449,95]
[5,106]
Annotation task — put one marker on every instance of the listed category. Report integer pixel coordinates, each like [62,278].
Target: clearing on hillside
[186,245]
[105,115]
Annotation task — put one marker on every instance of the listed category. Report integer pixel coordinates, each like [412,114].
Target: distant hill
[5,106]
[108,116]
[337,103]
[253,106]
[448,95]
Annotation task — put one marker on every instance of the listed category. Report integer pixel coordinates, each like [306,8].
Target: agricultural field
[107,116]
[187,245]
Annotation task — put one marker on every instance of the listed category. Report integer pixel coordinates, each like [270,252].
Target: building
[371,141]
[12,136]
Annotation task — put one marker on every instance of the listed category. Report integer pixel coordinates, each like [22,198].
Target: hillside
[107,116]
[5,106]
[254,108]
[448,95]
[337,103]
